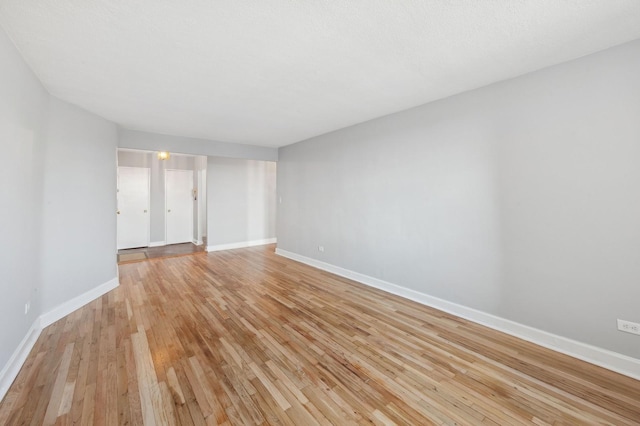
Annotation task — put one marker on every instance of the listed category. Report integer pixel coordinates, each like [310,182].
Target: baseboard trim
[242,244]
[197,242]
[605,358]
[18,358]
[12,368]
[76,303]
[157,244]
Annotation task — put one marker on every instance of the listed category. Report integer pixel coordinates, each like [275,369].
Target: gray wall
[23,103]
[57,221]
[157,184]
[135,139]
[240,200]
[520,199]
[79,222]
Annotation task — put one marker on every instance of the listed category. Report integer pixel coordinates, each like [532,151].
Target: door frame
[201,205]
[148,170]
[166,222]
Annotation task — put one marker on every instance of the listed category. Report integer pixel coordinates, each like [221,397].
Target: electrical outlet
[321,249]
[629,327]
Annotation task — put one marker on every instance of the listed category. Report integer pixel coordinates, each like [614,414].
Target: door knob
[145,211]
[169,210]
[117,211]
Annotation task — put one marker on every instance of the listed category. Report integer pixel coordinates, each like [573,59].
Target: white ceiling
[274,72]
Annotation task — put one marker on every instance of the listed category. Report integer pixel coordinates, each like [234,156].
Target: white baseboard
[610,360]
[157,243]
[76,303]
[12,368]
[242,244]
[197,242]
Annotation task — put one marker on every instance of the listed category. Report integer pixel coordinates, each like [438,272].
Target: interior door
[179,205]
[133,207]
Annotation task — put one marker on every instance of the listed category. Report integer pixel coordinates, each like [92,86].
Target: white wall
[23,103]
[157,168]
[79,223]
[201,203]
[240,201]
[520,199]
[134,139]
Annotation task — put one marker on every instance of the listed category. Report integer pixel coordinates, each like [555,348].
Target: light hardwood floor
[247,337]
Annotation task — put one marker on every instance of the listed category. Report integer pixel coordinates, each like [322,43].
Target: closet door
[179,206]
[133,207]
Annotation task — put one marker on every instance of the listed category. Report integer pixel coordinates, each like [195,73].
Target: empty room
[320,212]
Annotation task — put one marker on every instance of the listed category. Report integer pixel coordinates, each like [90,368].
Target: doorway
[177,184]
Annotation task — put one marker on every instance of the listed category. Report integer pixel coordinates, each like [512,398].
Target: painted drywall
[57,218]
[78,245]
[127,158]
[201,203]
[241,205]
[280,71]
[23,103]
[134,139]
[520,199]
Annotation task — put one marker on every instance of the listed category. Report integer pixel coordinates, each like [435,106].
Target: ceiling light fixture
[163,155]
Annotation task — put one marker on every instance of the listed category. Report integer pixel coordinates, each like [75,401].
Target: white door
[179,205]
[133,207]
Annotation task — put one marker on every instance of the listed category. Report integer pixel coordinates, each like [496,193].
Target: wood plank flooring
[247,337]
[171,250]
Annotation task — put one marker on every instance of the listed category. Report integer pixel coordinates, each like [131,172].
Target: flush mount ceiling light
[163,155]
